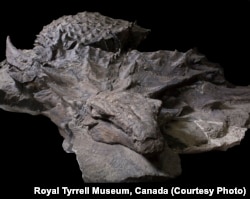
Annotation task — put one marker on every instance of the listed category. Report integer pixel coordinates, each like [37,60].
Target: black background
[31,152]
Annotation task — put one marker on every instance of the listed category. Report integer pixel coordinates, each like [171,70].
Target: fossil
[127,115]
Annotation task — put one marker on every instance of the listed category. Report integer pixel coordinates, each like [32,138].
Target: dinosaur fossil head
[126,118]
[120,117]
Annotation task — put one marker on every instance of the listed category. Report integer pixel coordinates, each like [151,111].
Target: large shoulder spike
[15,56]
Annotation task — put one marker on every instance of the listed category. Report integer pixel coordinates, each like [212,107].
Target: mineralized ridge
[125,114]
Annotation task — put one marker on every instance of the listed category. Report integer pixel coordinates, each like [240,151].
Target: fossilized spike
[12,53]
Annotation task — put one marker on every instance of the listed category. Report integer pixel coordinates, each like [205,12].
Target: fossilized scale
[125,114]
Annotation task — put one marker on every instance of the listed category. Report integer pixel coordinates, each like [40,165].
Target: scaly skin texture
[126,114]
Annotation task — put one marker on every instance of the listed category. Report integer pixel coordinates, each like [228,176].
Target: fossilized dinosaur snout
[131,124]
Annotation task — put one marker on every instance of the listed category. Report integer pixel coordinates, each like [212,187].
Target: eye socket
[98,113]
[46,65]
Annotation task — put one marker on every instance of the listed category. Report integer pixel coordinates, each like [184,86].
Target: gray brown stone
[125,114]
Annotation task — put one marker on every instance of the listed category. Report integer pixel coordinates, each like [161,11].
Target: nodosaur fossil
[125,114]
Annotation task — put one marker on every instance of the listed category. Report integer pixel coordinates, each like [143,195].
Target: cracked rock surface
[125,114]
